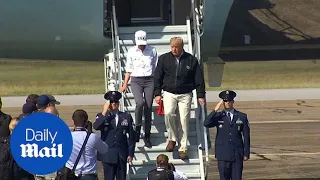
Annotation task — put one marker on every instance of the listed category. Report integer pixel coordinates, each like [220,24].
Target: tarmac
[211,96]
[285,130]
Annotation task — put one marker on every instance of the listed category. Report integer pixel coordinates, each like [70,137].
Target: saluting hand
[105,108]
[218,105]
[129,159]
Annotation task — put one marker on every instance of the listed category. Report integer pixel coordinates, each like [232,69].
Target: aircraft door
[123,12]
[146,8]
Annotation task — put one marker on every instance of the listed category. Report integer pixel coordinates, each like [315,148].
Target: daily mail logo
[32,150]
[41,143]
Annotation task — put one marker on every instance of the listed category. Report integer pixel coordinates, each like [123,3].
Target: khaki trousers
[170,103]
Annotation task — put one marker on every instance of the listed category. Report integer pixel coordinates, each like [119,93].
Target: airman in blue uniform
[114,126]
[232,144]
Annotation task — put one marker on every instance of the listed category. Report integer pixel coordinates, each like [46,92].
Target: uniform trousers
[142,90]
[170,103]
[119,170]
[230,170]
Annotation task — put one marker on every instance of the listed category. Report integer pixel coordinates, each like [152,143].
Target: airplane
[78,29]
[81,29]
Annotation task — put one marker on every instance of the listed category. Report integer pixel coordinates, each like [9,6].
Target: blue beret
[113,96]
[227,95]
[43,100]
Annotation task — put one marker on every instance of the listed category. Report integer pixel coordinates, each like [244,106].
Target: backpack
[6,160]
[9,169]
[163,174]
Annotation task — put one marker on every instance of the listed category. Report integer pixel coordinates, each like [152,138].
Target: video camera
[89,126]
[171,167]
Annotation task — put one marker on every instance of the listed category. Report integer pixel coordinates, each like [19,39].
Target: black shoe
[147,141]
[138,129]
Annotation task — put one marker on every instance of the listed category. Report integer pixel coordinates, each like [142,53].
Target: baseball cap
[43,101]
[140,38]
[28,108]
[53,99]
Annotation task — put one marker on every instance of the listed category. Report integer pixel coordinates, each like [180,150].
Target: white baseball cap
[140,38]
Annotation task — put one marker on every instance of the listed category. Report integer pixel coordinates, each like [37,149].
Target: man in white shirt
[87,165]
[140,66]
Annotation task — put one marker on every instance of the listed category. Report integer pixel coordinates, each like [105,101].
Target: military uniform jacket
[115,136]
[233,137]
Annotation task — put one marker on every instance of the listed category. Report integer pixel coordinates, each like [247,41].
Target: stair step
[151,154]
[153,29]
[129,99]
[160,149]
[151,37]
[143,167]
[132,108]
[161,141]
[161,41]
[161,128]
[173,161]
[165,134]
[128,95]
[192,176]
[156,119]
[161,49]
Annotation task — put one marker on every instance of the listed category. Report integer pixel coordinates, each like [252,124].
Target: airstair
[144,159]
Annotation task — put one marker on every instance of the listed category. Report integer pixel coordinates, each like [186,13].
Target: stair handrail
[197,15]
[196,105]
[119,78]
[196,31]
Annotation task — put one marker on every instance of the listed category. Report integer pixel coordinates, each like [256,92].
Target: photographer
[87,165]
[165,170]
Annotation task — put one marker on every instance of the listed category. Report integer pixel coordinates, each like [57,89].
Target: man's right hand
[105,108]
[157,99]
[218,105]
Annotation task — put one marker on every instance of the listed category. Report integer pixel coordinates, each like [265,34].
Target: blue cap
[43,100]
[227,95]
[113,96]
[28,108]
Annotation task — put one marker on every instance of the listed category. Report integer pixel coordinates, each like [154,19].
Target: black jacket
[5,120]
[178,78]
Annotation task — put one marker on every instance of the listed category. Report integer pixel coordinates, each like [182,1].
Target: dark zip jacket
[178,78]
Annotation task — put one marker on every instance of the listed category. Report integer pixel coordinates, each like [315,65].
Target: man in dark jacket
[4,122]
[232,145]
[178,73]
